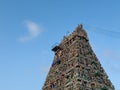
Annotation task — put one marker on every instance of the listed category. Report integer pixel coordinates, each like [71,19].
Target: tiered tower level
[75,66]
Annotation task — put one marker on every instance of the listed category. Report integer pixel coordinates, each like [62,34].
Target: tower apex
[79,27]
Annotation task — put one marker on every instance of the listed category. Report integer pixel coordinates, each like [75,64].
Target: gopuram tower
[75,66]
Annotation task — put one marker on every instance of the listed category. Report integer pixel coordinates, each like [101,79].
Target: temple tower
[75,66]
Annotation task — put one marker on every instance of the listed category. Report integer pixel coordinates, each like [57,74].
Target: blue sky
[29,29]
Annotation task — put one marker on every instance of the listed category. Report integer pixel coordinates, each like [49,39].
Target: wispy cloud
[113,60]
[33,31]
[44,69]
[111,54]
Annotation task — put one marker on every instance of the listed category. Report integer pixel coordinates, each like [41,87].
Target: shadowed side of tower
[75,66]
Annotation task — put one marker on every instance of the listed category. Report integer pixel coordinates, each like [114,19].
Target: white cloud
[33,30]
